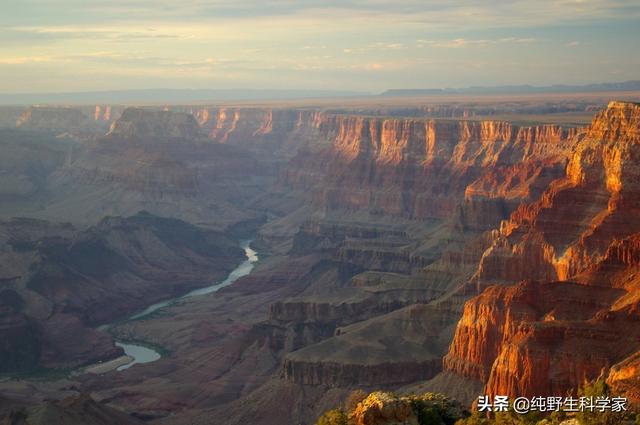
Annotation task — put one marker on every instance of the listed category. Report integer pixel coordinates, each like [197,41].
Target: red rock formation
[538,339]
[547,338]
[418,168]
[573,223]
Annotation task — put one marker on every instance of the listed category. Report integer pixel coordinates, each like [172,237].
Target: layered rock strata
[576,248]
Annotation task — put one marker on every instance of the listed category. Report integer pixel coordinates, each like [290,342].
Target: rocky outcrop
[381,408]
[366,295]
[382,256]
[375,246]
[384,409]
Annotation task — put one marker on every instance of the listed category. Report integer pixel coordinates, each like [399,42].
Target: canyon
[401,248]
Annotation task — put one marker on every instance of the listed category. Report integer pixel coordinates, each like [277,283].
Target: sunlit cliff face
[576,249]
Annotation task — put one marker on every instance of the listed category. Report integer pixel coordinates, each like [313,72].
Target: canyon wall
[576,313]
[420,169]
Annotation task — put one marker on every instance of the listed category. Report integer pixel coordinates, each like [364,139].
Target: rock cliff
[576,250]
[575,220]
[406,167]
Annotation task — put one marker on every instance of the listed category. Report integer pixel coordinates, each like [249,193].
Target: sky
[356,45]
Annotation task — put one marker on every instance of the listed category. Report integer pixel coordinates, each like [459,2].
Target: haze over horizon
[368,46]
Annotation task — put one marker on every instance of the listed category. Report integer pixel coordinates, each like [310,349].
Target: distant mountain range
[518,89]
[222,95]
[168,96]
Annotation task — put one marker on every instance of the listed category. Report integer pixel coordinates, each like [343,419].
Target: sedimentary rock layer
[579,240]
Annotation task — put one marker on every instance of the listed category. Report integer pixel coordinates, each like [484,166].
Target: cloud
[106,33]
[463,42]
[21,60]
[573,44]
[436,13]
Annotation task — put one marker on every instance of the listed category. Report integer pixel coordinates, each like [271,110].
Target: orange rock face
[573,223]
[540,338]
[423,169]
[577,249]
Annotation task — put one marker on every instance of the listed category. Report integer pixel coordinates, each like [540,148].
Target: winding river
[145,354]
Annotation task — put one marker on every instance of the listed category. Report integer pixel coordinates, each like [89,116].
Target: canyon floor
[455,245]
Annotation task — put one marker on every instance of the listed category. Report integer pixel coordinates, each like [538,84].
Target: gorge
[141,354]
[403,249]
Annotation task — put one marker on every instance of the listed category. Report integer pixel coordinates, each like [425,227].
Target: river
[145,354]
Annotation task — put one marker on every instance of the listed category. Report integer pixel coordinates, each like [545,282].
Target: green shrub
[476,418]
[598,388]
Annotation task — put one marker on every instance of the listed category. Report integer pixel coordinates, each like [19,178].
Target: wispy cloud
[283,42]
[21,60]
[468,13]
[464,42]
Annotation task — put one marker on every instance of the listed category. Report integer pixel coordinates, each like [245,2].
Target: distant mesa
[519,89]
[162,96]
[145,123]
